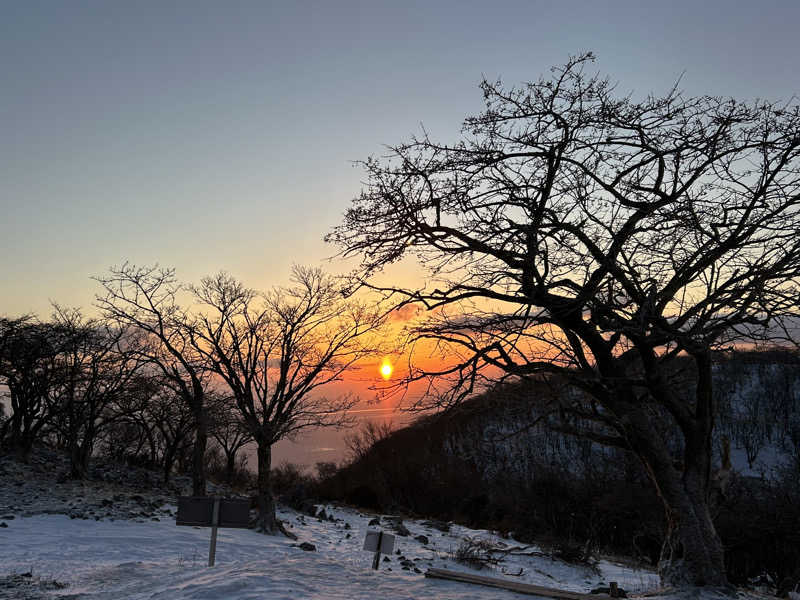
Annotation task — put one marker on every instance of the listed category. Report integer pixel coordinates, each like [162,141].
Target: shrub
[476,554]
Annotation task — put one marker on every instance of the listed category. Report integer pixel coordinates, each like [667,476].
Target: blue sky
[210,136]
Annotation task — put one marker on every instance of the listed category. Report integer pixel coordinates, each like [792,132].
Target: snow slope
[149,560]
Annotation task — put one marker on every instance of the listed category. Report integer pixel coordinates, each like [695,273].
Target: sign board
[207,511]
[199,511]
[374,538]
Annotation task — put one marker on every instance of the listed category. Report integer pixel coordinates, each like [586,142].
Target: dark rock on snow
[307,547]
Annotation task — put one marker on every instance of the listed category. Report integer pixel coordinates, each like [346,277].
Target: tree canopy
[577,232]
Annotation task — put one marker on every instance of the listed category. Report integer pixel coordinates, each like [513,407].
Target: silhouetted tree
[228,430]
[581,233]
[133,437]
[275,351]
[154,426]
[145,298]
[360,442]
[173,423]
[95,364]
[29,369]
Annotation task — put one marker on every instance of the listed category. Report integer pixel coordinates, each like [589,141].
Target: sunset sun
[386,369]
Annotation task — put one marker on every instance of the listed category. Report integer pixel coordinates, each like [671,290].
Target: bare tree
[29,370]
[360,442]
[174,424]
[276,351]
[145,298]
[133,436]
[228,430]
[591,236]
[154,427]
[95,362]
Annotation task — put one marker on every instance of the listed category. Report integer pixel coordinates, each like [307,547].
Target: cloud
[404,313]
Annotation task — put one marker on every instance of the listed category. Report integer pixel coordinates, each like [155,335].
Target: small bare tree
[276,351]
[173,421]
[145,299]
[606,241]
[228,430]
[360,442]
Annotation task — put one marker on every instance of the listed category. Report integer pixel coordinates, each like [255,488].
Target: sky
[213,136]
[222,136]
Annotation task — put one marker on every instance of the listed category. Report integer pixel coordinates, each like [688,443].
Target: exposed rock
[307,547]
[396,523]
[374,522]
[442,526]
[28,491]
[422,539]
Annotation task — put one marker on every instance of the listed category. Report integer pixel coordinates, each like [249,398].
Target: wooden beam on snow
[514,586]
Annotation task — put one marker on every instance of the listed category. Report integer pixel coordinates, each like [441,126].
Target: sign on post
[207,511]
[379,543]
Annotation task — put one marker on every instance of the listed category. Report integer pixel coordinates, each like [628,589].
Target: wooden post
[376,561]
[613,589]
[212,549]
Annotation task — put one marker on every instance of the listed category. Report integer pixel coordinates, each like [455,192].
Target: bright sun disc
[386,369]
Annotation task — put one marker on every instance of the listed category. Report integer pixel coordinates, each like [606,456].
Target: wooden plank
[514,586]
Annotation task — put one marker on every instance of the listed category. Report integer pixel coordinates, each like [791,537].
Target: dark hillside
[494,462]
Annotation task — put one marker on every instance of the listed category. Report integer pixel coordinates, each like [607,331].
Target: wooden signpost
[379,543]
[207,511]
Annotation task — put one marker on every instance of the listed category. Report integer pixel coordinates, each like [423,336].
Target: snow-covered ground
[137,560]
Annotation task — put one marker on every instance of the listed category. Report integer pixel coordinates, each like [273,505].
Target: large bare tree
[606,241]
[276,351]
[146,299]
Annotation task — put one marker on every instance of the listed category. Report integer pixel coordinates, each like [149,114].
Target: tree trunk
[22,446]
[199,451]
[267,521]
[169,461]
[5,427]
[692,553]
[77,462]
[151,440]
[80,454]
[230,466]
[18,441]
